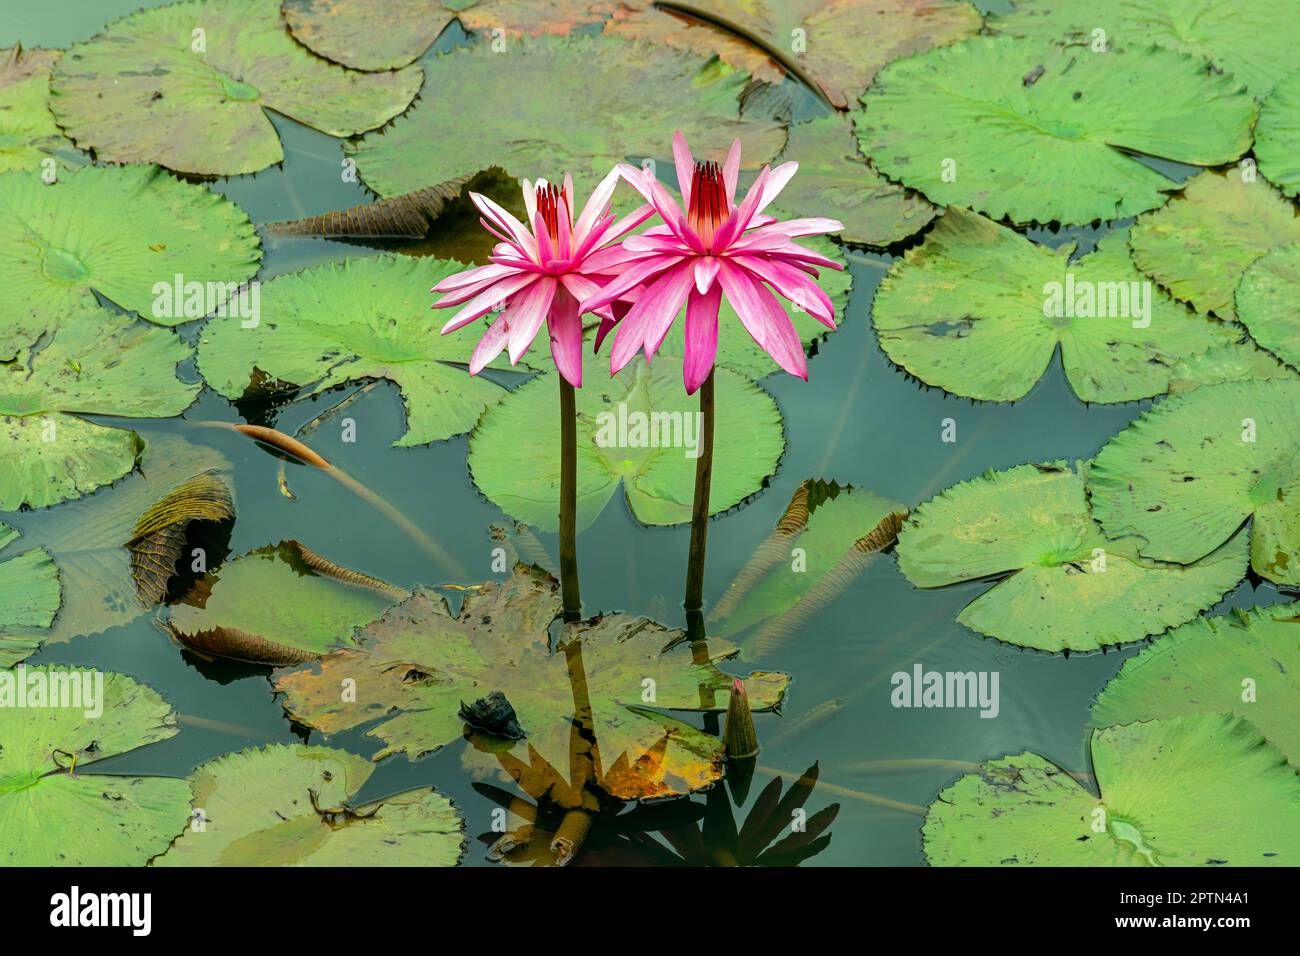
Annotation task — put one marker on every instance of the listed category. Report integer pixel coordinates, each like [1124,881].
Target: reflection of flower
[539,272]
[713,249]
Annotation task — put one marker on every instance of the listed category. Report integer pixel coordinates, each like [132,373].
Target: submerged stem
[569,502]
[700,508]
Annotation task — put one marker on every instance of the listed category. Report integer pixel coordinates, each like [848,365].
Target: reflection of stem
[569,502]
[291,446]
[700,509]
[861,795]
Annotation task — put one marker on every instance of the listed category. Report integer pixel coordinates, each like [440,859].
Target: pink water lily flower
[714,248]
[541,271]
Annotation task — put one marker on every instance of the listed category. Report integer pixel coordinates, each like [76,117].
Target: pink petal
[777,182]
[701,337]
[489,346]
[685,164]
[565,327]
[738,221]
[792,228]
[526,313]
[731,172]
[470,291]
[794,285]
[597,203]
[494,297]
[505,220]
[471,277]
[651,315]
[530,203]
[657,326]
[706,268]
[764,319]
[629,279]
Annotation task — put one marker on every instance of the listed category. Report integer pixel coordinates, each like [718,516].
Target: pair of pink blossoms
[557,270]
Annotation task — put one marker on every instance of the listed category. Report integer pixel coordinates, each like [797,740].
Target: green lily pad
[834,180]
[291,805]
[359,34]
[30,597]
[1277,134]
[1199,245]
[98,363]
[281,604]
[1268,302]
[815,553]
[378,326]
[187,86]
[1163,786]
[838,45]
[521,97]
[28,133]
[1230,362]
[968,311]
[86,819]
[514,452]
[415,667]
[1190,471]
[1062,584]
[1034,133]
[1255,42]
[1246,663]
[111,573]
[116,231]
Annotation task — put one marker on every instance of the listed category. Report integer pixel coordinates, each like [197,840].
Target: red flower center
[708,206]
[551,205]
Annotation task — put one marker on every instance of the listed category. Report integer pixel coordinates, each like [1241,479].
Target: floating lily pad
[520,98]
[378,325]
[30,597]
[86,819]
[116,231]
[979,311]
[1232,362]
[834,180]
[281,604]
[1277,134]
[292,805]
[188,85]
[1255,42]
[1035,133]
[813,555]
[1164,785]
[111,574]
[837,44]
[1199,245]
[28,133]
[359,34]
[1246,663]
[1268,302]
[514,454]
[1190,471]
[98,363]
[418,664]
[1063,585]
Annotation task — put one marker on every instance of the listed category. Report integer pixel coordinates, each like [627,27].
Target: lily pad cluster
[1062,583]
[188,86]
[418,668]
[1034,132]
[28,133]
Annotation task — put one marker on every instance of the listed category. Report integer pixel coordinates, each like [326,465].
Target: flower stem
[569,502]
[700,509]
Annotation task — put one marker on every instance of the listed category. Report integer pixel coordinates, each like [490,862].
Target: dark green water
[859,420]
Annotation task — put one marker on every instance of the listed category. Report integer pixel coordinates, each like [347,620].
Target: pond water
[859,420]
